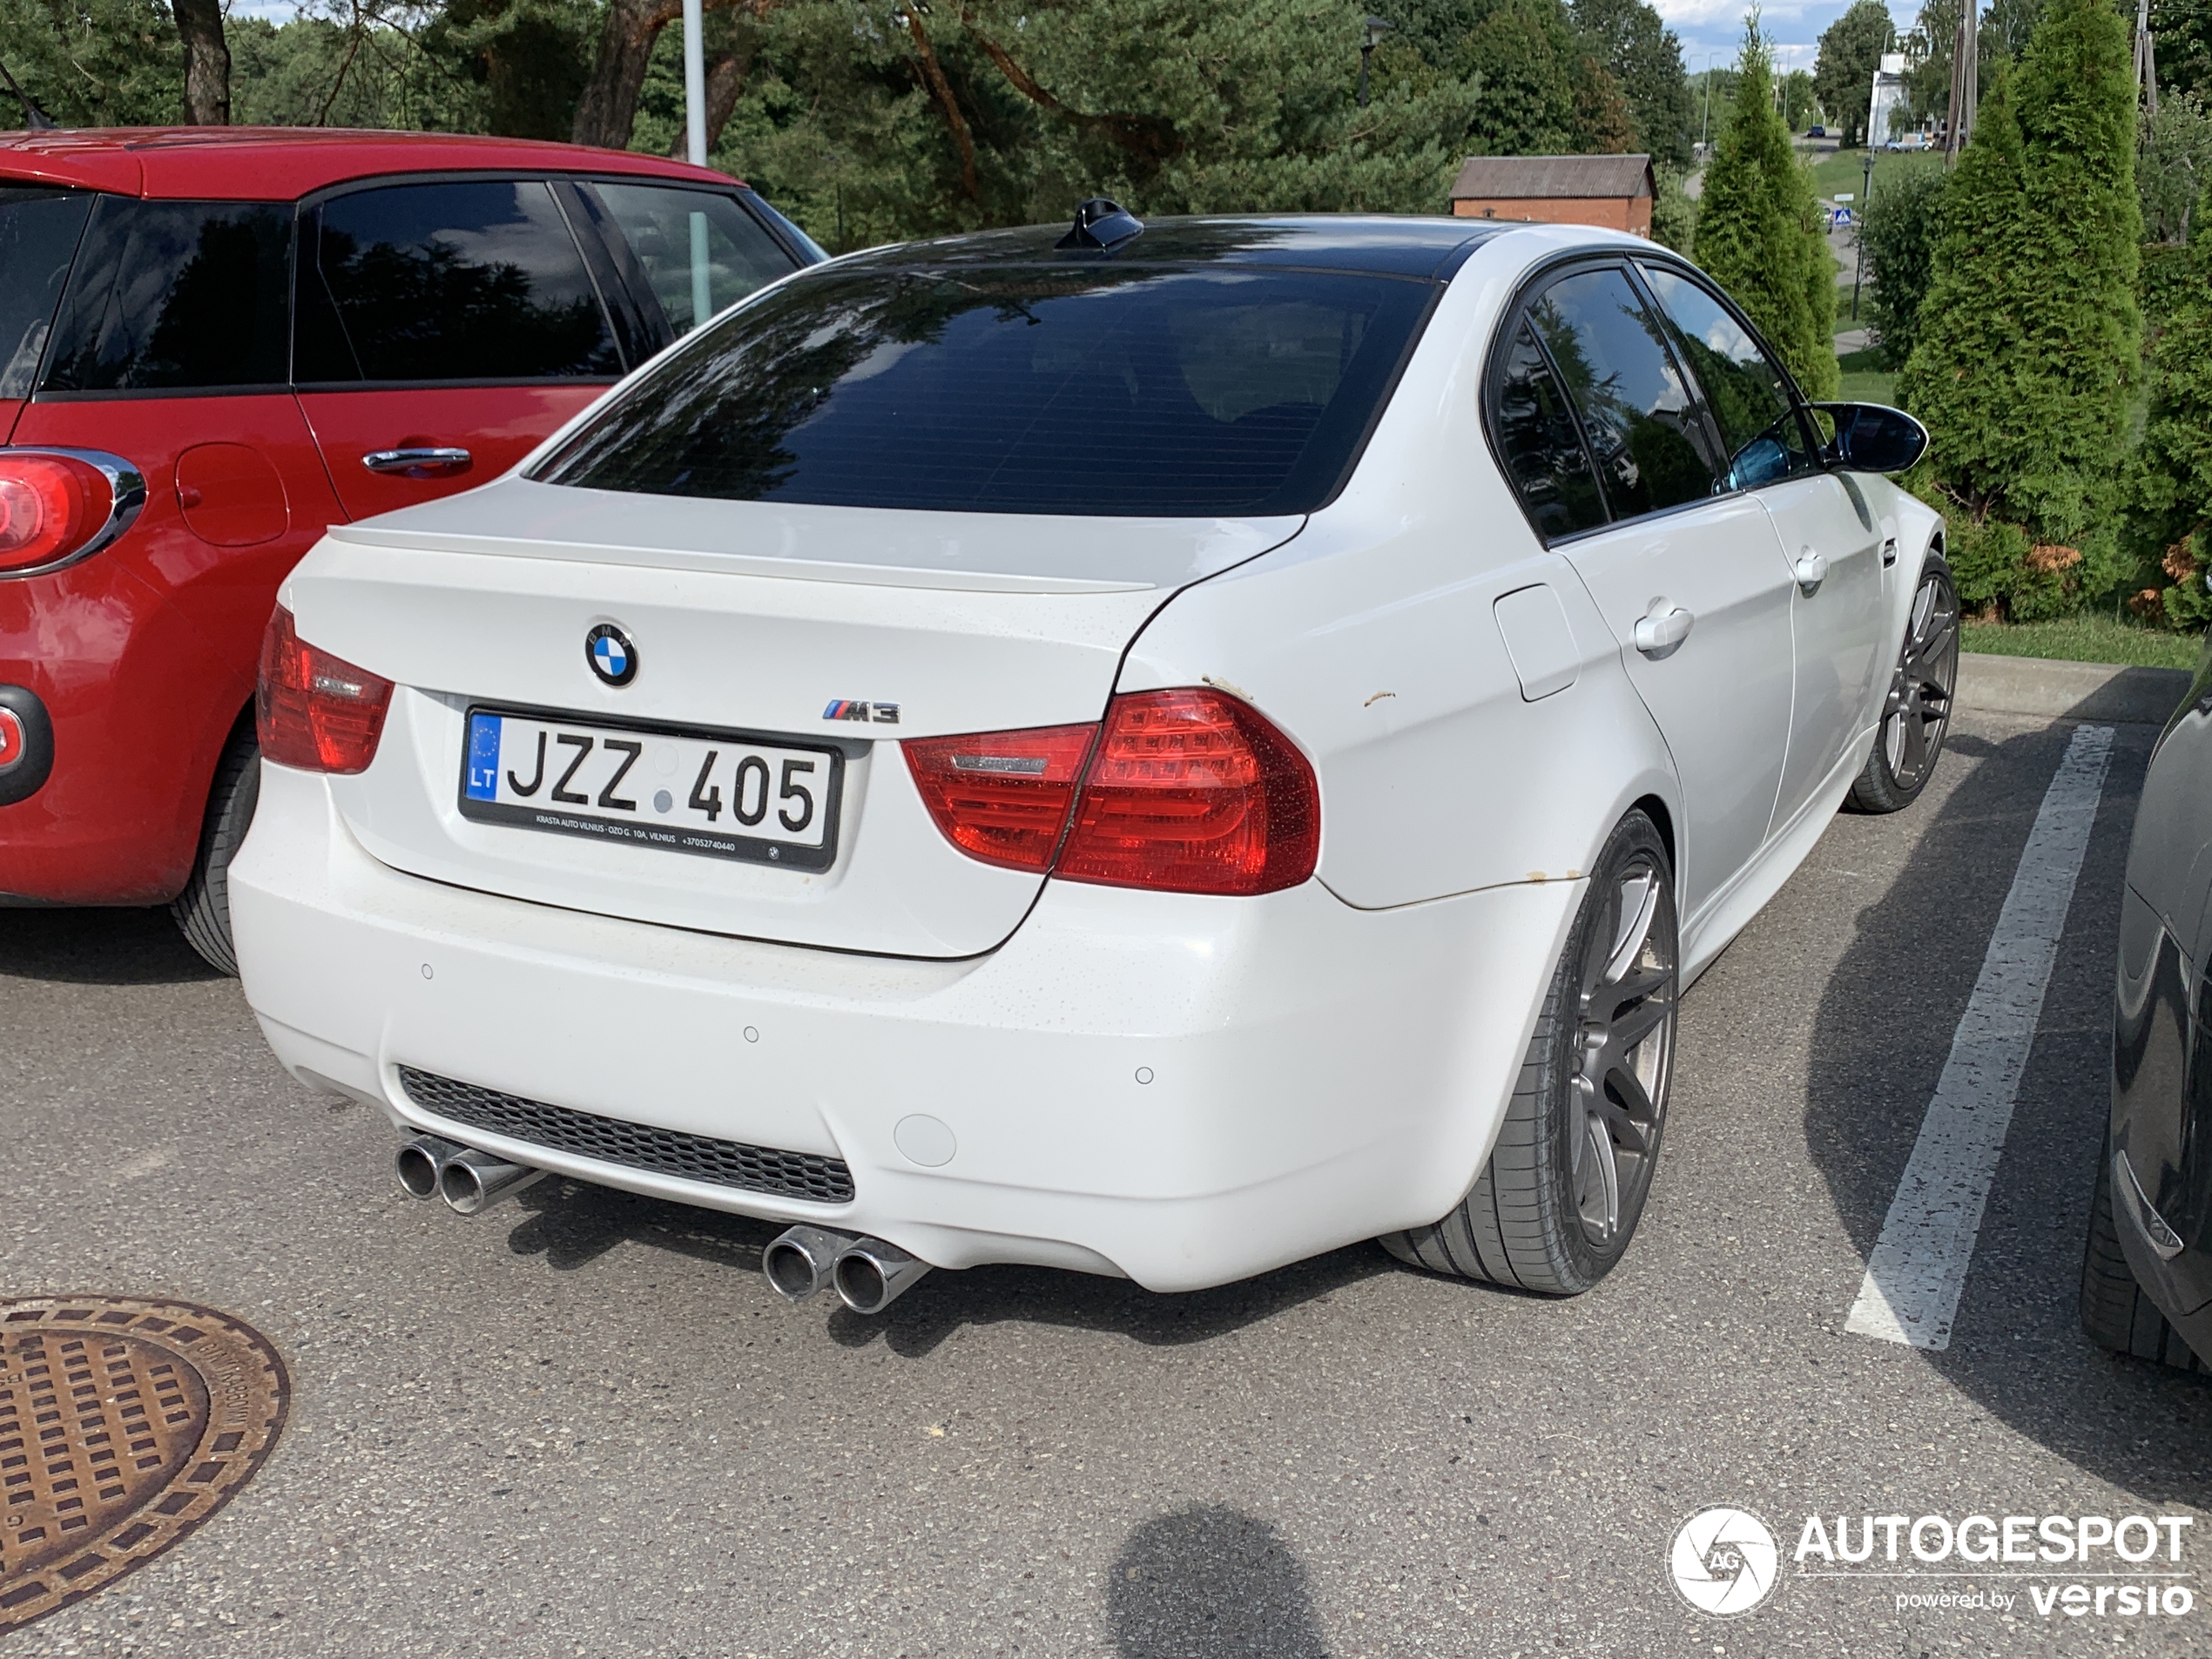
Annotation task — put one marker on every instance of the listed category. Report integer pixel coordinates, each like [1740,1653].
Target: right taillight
[314,710]
[50,506]
[1187,791]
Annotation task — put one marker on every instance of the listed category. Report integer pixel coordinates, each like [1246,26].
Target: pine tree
[1759,231]
[2028,336]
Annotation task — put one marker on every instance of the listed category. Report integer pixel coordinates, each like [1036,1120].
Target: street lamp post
[1371,34]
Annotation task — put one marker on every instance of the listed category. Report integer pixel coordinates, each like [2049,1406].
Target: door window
[1748,396]
[177,296]
[38,233]
[476,280]
[694,245]
[1644,430]
[1542,449]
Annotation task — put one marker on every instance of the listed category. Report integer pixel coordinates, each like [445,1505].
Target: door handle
[1810,569]
[1659,633]
[428,462]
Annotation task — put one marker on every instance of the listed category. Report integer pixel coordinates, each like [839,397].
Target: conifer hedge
[2028,338]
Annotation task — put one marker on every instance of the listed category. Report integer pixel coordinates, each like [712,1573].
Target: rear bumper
[1183,1090]
[139,707]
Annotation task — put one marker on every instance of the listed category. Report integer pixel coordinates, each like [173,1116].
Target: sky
[1704,26]
[1717,27]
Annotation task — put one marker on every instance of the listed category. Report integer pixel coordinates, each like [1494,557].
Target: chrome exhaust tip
[419,1162]
[872,1275]
[472,1182]
[798,1261]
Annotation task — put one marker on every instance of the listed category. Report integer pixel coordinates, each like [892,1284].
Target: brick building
[1614,191]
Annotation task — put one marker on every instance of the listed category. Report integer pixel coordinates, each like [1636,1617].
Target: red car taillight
[48,507]
[1002,797]
[1186,792]
[314,710]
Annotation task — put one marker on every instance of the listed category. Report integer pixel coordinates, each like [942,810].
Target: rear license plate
[719,795]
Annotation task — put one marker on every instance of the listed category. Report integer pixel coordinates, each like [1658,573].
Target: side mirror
[1872,438]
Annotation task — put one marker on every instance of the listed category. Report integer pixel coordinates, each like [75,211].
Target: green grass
[1846,170]
[2083,639]
[1863,380]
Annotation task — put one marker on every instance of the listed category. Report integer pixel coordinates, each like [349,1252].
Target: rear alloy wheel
[203,909]
[1917,712]
[1555,1207]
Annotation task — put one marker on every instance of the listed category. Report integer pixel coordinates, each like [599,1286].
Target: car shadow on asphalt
[571,1224]
[98,947]
[1211,1580]
[1880,1038]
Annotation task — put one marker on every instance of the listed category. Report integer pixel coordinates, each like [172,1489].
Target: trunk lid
[769,622]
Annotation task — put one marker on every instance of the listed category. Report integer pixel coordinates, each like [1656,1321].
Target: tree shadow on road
[1213,1580]
[98,947]
[1881,1035]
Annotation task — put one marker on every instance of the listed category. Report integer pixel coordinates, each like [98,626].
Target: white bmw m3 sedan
[1154,749]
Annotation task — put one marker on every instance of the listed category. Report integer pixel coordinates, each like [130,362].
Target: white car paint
[1182,1089]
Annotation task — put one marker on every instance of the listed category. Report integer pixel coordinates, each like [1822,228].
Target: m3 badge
[846,709]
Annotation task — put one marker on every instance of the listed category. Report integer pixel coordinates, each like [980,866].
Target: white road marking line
[1918,1268]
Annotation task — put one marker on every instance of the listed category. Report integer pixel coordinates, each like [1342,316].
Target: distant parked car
[1156,750]
[215,344]
[1816,131]
[2146,1274]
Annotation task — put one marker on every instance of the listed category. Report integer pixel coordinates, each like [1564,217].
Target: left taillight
[51,506]
[314,710]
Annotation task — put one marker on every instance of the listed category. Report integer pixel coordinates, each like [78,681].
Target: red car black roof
[274,164]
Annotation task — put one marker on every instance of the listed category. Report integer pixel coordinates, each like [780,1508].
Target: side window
[38,233]
[177,296]
[1644,430]
[694,245]
[477,280]
[1748,396]
[1543,452]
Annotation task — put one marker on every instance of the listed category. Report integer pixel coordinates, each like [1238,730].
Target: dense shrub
[1899,236]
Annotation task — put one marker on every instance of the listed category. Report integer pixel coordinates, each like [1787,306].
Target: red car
[215,342]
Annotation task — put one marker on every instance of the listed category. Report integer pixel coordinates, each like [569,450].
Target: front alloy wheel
[1917,713]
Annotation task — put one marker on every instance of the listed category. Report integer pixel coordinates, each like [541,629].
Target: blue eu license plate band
[483,757]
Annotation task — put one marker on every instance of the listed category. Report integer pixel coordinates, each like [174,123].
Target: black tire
[2115,1311]
[203,909]
[1529,1221]
[1916,715]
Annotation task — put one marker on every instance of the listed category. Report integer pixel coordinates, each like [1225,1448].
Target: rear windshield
[1121,389]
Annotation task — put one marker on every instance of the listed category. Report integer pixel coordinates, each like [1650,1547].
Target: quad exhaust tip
[420,1162]
[471,1183]
[868,1274]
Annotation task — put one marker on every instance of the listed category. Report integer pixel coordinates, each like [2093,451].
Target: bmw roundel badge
[613,658]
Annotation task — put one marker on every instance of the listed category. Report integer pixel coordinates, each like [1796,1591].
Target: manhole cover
[124,1424]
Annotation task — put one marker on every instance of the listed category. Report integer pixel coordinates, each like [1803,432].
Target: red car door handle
[428,462]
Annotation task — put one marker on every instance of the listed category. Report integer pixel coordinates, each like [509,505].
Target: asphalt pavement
[581,1425]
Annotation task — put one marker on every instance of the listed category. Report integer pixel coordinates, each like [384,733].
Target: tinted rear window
[38,233]
[477,280]
[1115,389]
[177,296]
